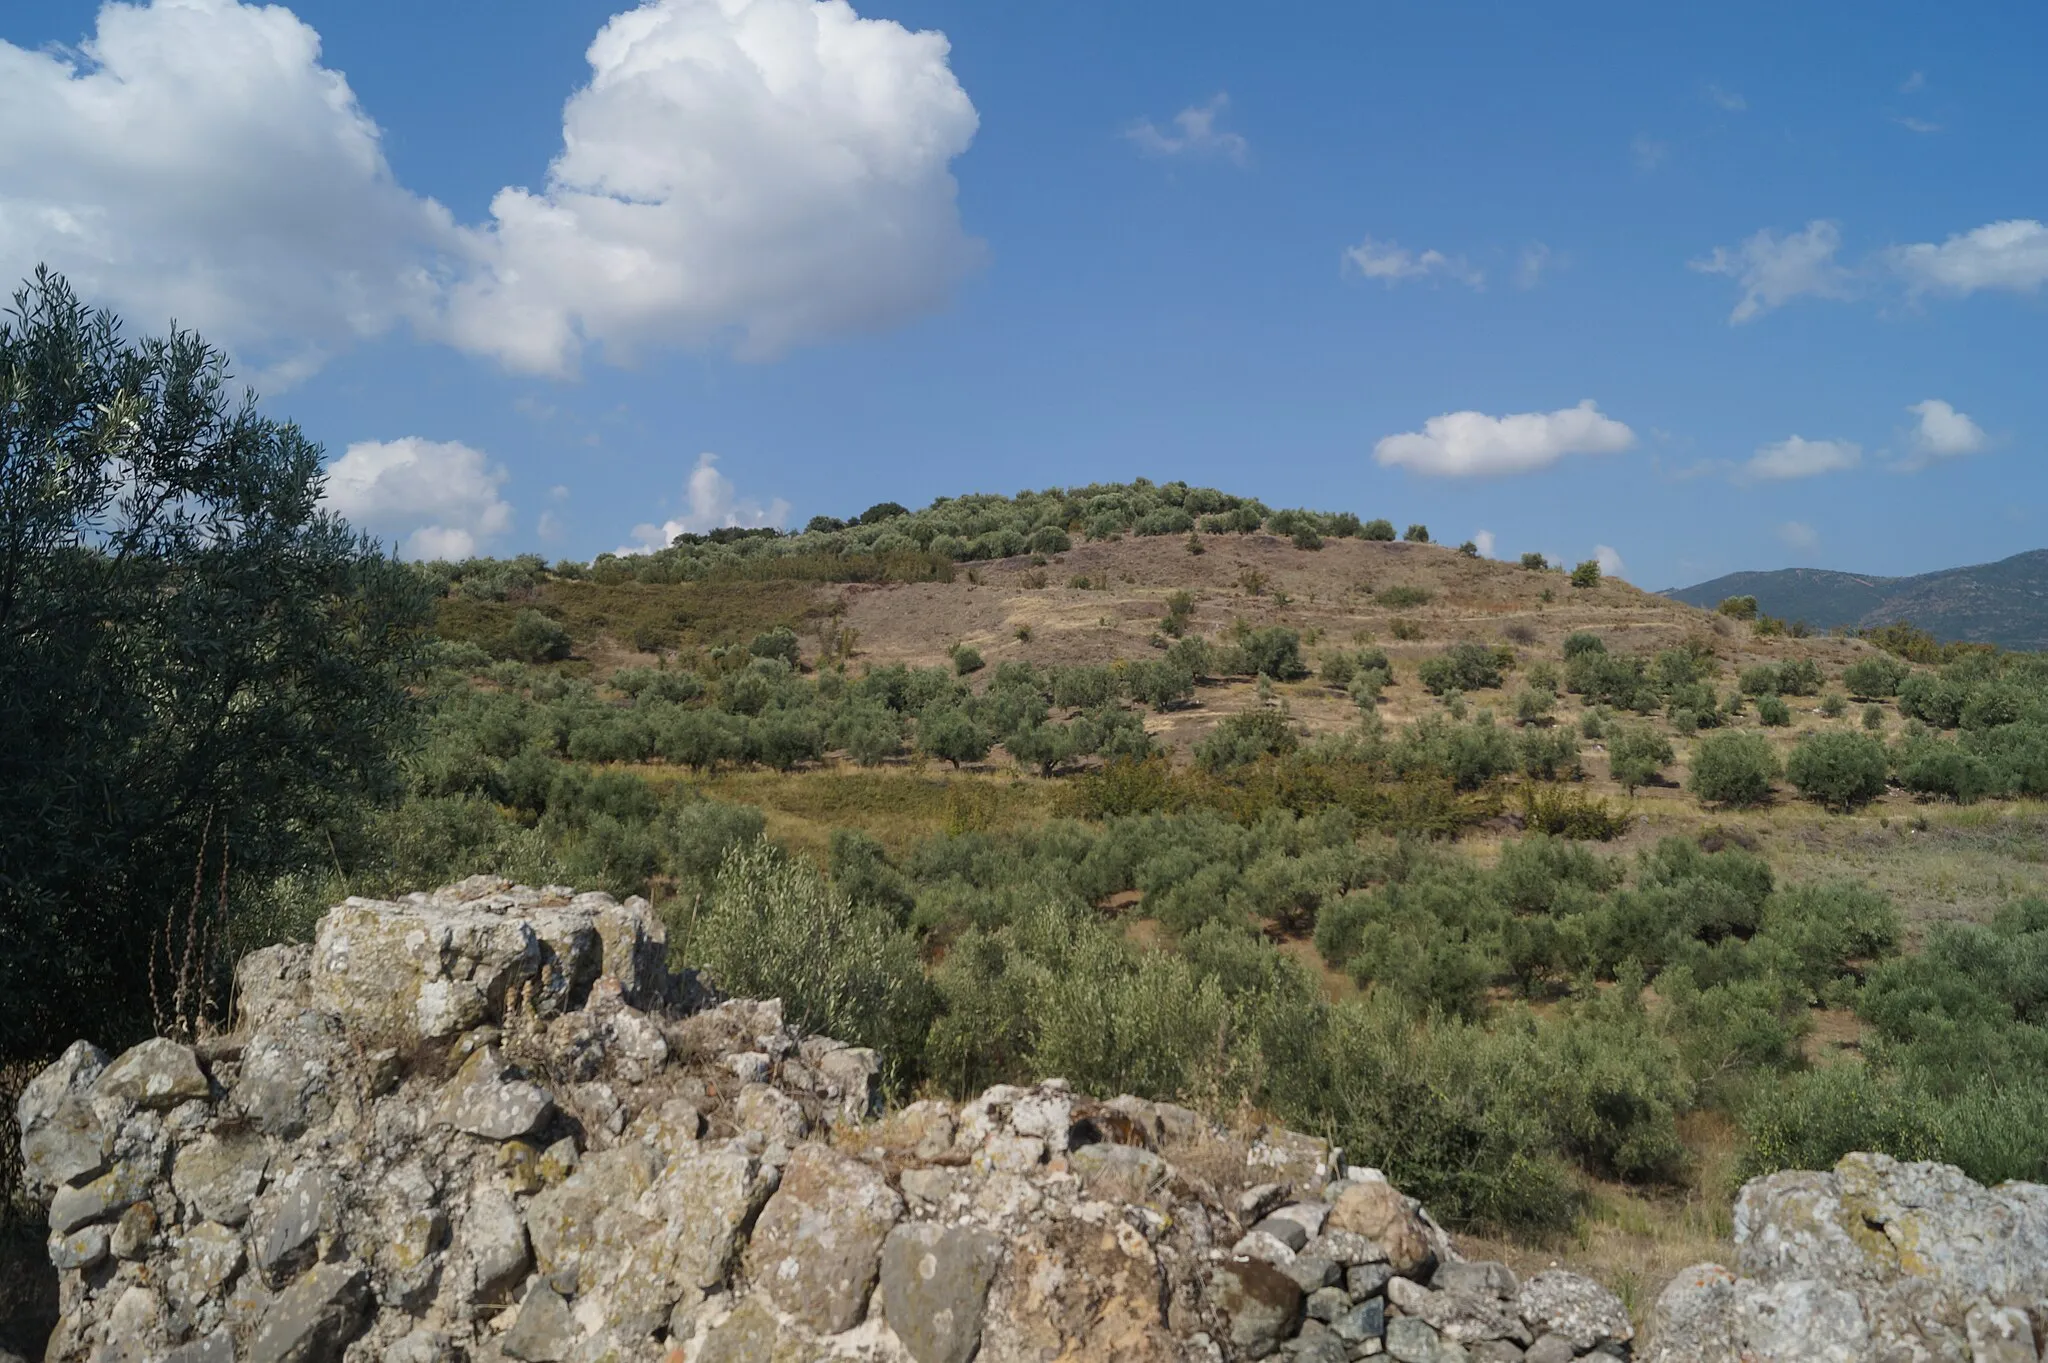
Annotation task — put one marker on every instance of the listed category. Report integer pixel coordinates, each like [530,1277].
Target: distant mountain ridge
[2003,603]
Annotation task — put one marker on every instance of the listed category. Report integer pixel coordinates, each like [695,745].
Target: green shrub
[1772,712]
[1738,607]
[1587,574]
[1873,717]
[534,638]
[1470,549]
[1637,755]
[1464,667]
[1403,597]
[1833,705]
[1874,678]
[1837,769]
[1733,768]
[966,659]
[948,731]
[1416,534]
[1378,529]
[1571,814]
[772,928]
[779,642]
[1549,754]
[867,731]
[1580,642]
[1532,705]
[1246,737]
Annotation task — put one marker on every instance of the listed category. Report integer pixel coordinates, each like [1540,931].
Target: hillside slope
[2004,603]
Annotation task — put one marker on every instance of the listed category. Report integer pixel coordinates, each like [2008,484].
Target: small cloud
[1389,263]
[1609,561]
[559,493]
[1484,539]
[1537,260]
[529,406]
[1917,125]
[438,499]
[1730,100]
[549,527]
[1475,445]
[1796,457]
[1194,133]
[1943,433]
[714,503]
[1799,536]
[1774,270]
[1913,84]
[2010,255]
[1647,152]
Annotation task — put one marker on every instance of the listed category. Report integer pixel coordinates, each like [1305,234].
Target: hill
[2003,603]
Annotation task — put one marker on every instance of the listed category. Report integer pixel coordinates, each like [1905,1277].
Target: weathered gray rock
[1464,1317]
[1415,1341]
[1366,1320]
[62,1140]
[485,1099]
[134,1231]
[1581,1310]
[288,1220]
[935,1282]
[1550,1349]
[217,1347]
[155,1074]
[290,1068]
[819,1242]
[1260,1305]
[1128,1173]
[81,1248]
[1876,1255]
[126,1183]
[1478,1277]
[220,1174]
[313,1320]
[545,1332]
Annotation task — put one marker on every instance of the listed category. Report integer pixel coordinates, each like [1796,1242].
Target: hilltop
[2003,603]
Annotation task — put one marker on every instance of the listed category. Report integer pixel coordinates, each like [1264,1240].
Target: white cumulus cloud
[2010,255]
[1774,270]
[1194,133]
[753,173]
[1390,263]
[770,172]
[1942,433]
[1473,444]
[1609,560]
[194,160]
[713,504]
[1796,457]
[438,499]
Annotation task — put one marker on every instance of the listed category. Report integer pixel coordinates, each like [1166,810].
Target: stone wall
[489,1124]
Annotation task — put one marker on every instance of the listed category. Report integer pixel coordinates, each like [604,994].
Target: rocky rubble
[488,1124]
[1875,1261]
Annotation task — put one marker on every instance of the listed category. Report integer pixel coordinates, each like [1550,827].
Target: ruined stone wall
[489,1124]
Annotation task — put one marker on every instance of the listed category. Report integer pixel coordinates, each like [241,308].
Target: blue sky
[1351,256]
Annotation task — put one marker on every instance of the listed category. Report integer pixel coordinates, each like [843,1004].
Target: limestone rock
[935,1282]
[157,1074]
[1261,1304]
[1415,1341]
[62,1139]
[220,1174]
[545,1331]
[819,1242]
[1378,1212]
[313,1320]
[1581,1310]
[484,1099]
[1891,1258]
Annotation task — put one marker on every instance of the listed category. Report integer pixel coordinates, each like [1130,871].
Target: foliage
[204,673]
[1838,769]
[1587,574]
[1246,737]
[1733,768]
[1463,667]
[1637,755]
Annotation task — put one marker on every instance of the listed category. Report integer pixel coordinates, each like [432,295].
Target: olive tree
[202,672]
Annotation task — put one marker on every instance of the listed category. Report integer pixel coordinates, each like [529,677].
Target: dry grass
[898,806]
[1633,1241]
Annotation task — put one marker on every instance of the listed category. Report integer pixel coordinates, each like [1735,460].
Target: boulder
[62,1139]
[157,1073]
[818,1245]
[1378,1212]
[935,1281]
[1259,1304]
